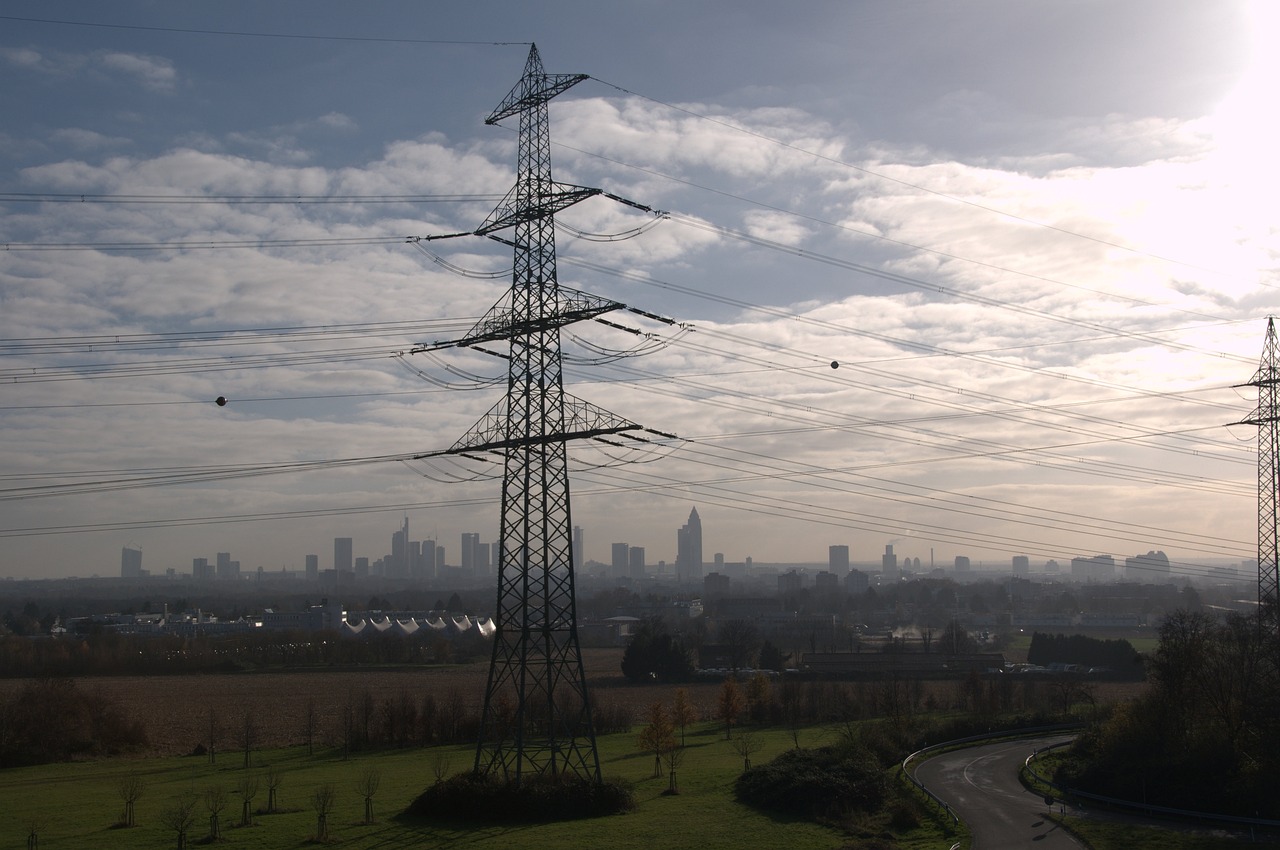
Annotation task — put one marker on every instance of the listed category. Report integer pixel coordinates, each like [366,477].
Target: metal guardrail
[972,739]
[1166,811]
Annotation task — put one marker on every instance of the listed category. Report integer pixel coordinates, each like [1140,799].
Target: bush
[481,798]
[827,782]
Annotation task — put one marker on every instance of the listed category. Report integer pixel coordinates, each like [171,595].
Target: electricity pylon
[536,718]
[1267,417]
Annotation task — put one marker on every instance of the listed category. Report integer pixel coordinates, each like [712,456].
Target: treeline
[54,720]
[107,653]
[1117,656]
[1206,735]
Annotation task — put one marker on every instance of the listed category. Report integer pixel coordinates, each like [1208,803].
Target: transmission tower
[537,717]
[1267,417]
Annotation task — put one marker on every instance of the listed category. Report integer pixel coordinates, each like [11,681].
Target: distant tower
[689,549]
[838,560]
[342,557]
[1267,417]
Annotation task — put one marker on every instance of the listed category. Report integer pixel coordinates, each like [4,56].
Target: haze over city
[972,279]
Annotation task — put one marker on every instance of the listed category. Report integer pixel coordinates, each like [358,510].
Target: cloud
[153,72]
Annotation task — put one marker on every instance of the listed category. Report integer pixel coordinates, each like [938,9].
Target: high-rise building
[635,562]
[362,567]
[578,543]
[689,550]
[789,583]
[962,563]
[469,541]
[201,569]
[1021,565]
[426,568]
[130,563]
[715,586]
[857,581]
[342,555]
[227,569]
[838,559]
[1097,568]
[619,563]
[313,568]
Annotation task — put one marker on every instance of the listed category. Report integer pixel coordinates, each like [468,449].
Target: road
[981,785]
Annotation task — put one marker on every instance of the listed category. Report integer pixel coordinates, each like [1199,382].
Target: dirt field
[176,709]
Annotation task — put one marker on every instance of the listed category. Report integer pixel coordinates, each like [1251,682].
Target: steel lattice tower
[1267,417]
[536,717]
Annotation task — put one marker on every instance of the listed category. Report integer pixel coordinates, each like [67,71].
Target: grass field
[78,805]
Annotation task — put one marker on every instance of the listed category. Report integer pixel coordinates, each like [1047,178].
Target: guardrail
[972,739]
[1165,811]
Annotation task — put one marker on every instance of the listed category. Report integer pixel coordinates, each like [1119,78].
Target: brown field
[176,709]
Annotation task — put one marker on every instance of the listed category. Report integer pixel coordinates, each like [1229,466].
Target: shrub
[827,782]
[481,798]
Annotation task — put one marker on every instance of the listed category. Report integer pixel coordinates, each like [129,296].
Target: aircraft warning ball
[221,401]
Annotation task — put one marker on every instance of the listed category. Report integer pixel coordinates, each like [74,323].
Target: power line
[251,34]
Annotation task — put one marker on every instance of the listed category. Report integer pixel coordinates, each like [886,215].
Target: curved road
[981,785]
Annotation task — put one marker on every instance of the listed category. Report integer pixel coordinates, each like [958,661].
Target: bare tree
[322,800]
[33,825]
[179,817]
[273,786]
[309,726]
[672,758]
[130,788]
[213,735]
[747,745]
[367,786]
[246,789]
[741,639]
[440,766]
[215,800]
[248,736]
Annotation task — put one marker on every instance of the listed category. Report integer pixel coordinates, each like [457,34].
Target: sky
[976,279]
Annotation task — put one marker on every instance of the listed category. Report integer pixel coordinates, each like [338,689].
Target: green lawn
[77,805]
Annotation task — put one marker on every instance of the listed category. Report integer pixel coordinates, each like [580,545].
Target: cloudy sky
[1039,240]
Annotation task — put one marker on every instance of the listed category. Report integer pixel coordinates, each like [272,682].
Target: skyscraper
[578,543]
[689,549]
[342,560]
[619,566]
[635,561]
[130,563]
[838,560]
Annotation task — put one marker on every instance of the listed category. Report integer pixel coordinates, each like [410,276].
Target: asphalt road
[981,785]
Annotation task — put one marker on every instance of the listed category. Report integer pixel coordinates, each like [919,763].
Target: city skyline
[972,280]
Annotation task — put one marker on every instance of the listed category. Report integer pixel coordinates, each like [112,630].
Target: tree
[248,736]
[215,800]
[955,640]
[322,800]
[273,787]
[367,786]
[130,788]
[246,789]
[658,736]
[747,745]
[729,705]
[213,736]
[771,657]
[33,826]
[673,757]
[741,639]
[654,655]
[759,697]
[179,817]
[683,713]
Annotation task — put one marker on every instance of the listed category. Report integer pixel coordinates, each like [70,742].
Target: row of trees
[53,720]
[1206,735]
[107,652]
[1117,656]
